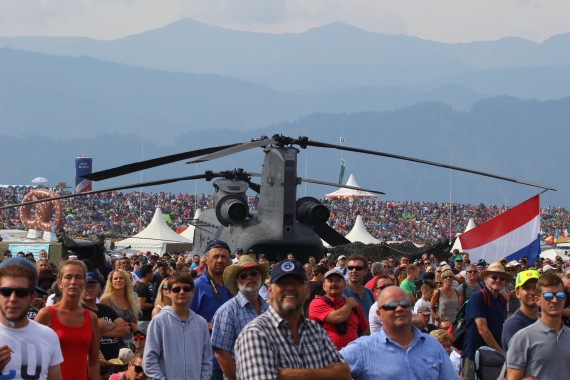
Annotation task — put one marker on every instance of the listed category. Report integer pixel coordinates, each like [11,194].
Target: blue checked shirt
[230,319]
[379,357]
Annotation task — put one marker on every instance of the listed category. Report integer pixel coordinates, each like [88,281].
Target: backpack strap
[327,301]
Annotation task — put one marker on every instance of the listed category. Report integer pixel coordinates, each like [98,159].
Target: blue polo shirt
[495,314]
[365,302]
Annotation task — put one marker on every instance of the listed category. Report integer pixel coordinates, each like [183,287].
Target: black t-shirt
[109,346]
[146,291]
[156,280]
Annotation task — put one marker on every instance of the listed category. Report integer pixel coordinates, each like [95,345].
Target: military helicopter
[282,224]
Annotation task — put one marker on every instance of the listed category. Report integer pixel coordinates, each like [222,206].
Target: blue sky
[440,20]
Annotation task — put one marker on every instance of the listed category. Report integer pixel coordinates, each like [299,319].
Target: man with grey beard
[243,279]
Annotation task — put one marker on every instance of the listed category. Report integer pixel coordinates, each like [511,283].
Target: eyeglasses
[139,337]
[390,306]
[383,287]
[549,296]
[470,271]
[500,278]
[387,266]
[20,292]
[187,289]
[357,268]
[138,368]
[447,277]
[439,283]
[253,273]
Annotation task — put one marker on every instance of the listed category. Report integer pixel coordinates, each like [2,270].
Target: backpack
[459,327]
[341,328]
[488,363]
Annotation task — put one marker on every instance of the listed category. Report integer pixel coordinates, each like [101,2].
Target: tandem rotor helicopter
[283,223]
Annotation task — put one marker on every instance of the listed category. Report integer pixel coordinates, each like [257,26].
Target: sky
[449,21]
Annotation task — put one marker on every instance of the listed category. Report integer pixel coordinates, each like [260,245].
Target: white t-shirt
[455,361]
[422,302]
[36,348]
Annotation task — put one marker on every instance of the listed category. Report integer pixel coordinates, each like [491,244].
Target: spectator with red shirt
[341,317]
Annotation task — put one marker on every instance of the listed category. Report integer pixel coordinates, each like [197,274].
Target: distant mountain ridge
[332,57]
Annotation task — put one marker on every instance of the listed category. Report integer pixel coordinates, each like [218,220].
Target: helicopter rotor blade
[328,234]
[328,184]
[147,164]
[233,149]
[125,187]
[405,158]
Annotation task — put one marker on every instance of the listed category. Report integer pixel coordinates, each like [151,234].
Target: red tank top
[75,343]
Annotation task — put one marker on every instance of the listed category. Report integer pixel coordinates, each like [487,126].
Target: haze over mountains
[190,85]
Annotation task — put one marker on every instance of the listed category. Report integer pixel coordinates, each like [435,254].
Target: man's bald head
[391,293]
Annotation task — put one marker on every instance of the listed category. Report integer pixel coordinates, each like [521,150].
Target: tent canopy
[457,244]
[359,233]
[350,193]
[189,232]
[157,237]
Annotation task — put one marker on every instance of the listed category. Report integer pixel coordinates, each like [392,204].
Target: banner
[32,248]
[83,166]
[342,166]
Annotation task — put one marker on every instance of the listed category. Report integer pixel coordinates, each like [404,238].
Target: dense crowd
[120,215]
[221,317]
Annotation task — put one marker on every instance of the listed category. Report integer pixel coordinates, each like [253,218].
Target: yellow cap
[526,275]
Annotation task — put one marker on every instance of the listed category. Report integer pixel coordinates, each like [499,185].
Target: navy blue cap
[261,255]
[287,267]
[217,244]
[239,250]
[92,277]
[26,263]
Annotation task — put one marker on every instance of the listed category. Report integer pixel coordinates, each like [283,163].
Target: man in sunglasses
[485,315]
[135,370]
[398,348]
[178,340]
[23,341]
[244,280]
[355,286]
[542,350]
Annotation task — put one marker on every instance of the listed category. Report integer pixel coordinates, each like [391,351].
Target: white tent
[552,253]
[157,237]
[350,193]
[359,233]
[457,244]
[189,232]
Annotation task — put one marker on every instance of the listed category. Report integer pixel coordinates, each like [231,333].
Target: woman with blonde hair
[120,296]
[77,328]
[447,298]
[162,298]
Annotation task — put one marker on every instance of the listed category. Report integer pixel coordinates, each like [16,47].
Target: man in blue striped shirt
[399,350]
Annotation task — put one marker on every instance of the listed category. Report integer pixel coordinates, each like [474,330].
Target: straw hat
[245,262]
[495,268]
[109,363]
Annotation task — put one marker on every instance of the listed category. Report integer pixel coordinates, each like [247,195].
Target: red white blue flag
[512,234]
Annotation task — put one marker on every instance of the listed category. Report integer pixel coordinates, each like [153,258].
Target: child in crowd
[427,290]
[444,338]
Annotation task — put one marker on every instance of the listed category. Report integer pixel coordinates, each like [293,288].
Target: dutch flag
[512,234]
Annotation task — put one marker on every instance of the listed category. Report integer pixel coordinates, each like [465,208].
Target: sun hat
[111,363]
[495,267]
[244,262]
[526,275]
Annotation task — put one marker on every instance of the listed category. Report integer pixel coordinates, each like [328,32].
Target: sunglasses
[165,287]
[471,271]
[387,267]
[358,268]
[253,273]
[20,292]
[187,289]
[439,283]
[383,287]
[500,278]
[138,368]
[139,337]
[549,296]
[480,266]
[390,306]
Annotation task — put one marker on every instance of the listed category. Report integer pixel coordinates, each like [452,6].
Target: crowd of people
[121,215]
[234,315]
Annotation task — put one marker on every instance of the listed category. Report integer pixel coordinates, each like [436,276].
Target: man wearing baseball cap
[527,313]
[342,266]
[281,343]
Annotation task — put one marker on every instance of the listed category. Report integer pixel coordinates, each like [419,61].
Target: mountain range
[332,57]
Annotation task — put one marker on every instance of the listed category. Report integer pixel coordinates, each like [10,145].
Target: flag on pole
[512,234]
[342,166]
[566,232]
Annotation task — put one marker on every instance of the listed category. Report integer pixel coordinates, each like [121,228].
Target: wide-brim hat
[495,268]
[244,262]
